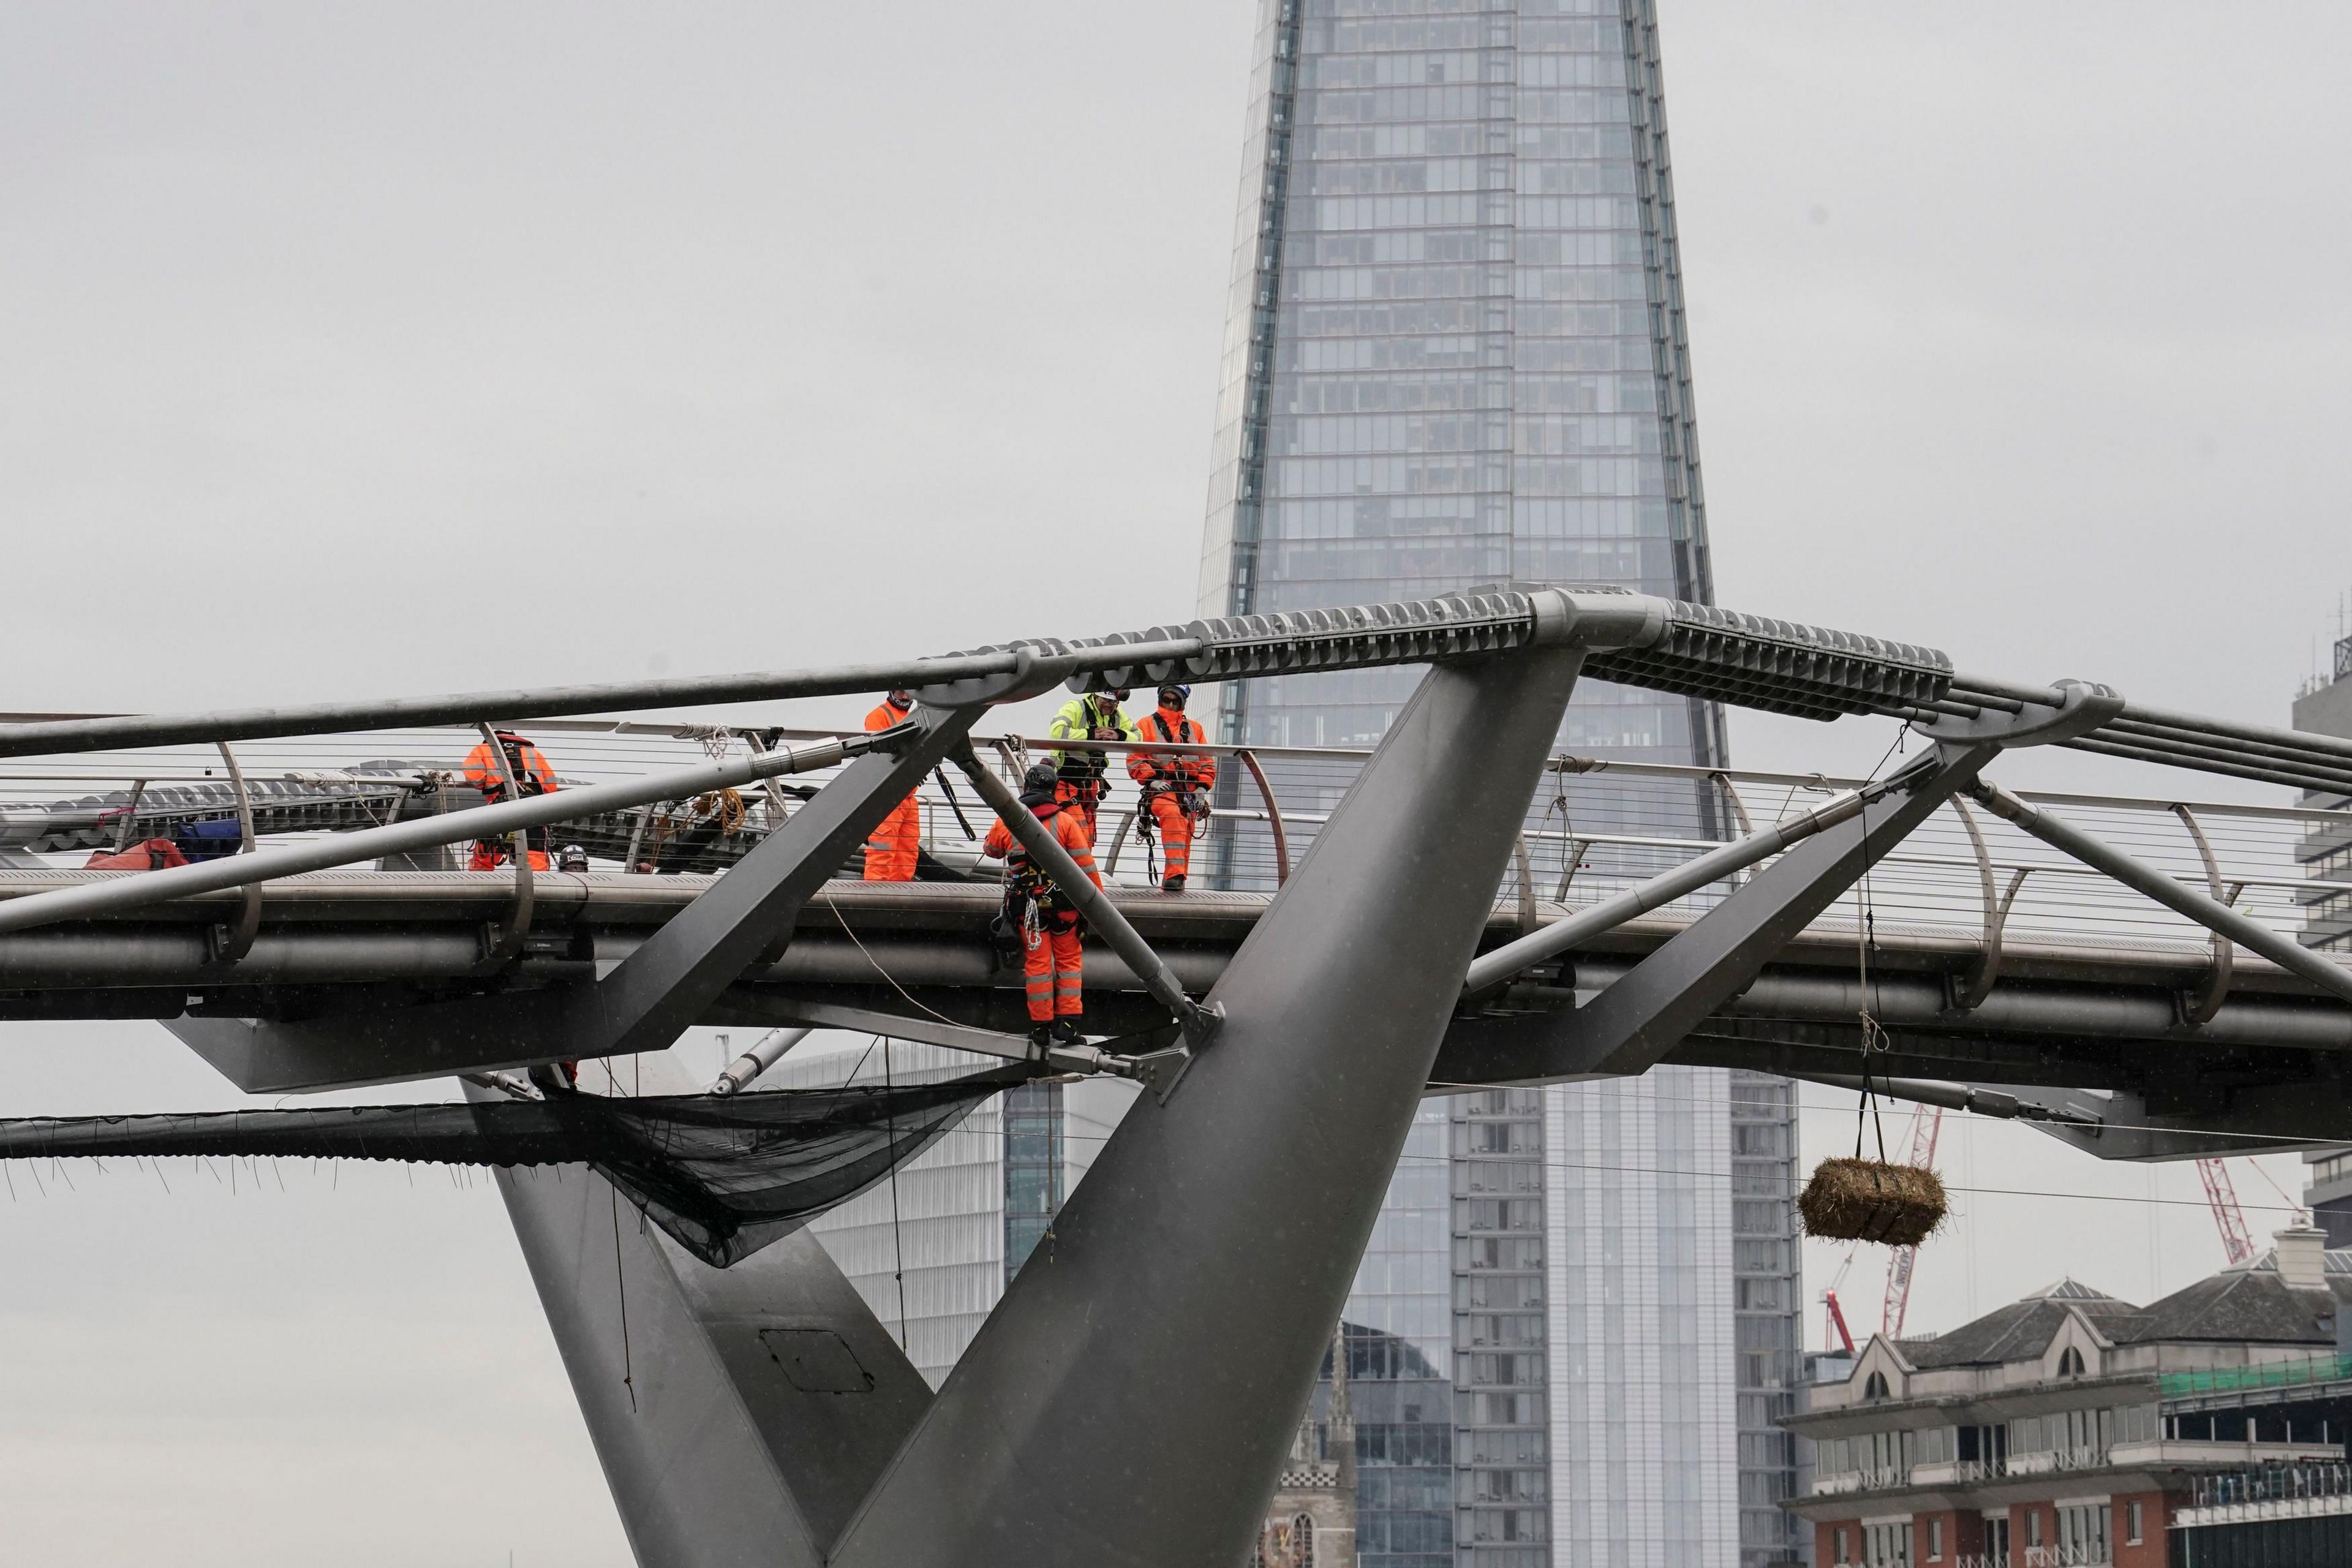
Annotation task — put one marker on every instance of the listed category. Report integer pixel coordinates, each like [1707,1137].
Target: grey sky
[347,350]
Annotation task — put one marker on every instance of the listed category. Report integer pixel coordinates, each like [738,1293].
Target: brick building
[2073,1430]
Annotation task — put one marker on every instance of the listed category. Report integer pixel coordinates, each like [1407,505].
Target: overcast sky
[353,350]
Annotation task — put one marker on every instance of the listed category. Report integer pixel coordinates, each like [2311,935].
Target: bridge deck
[614,911]
[2099,1011]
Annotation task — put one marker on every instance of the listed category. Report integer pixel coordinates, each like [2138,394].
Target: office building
[1456,357]
[2325,707]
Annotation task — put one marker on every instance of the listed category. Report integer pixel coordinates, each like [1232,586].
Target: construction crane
[1833,1316]
[1927,1126]
[2221,1195]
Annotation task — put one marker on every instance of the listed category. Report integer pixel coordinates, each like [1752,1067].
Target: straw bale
[1870,1200]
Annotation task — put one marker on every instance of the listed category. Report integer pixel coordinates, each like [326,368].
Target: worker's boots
[1174,884]
[1066,1032]
[1041,1035]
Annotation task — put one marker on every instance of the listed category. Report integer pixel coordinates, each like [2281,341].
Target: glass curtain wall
[1402,1407]
[1032,1169]
[1456,357]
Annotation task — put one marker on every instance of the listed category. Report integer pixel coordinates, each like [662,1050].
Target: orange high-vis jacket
[884,716]
[482,771]
[1188,770]
[1069,832]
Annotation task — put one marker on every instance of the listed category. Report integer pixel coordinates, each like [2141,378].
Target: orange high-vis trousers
[1175,835]
[489,855]
[890,848]
[1053,970]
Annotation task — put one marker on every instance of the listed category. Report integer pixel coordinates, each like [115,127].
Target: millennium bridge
[1462,906]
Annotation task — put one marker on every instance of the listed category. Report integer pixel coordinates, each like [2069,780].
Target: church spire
[1342,1421]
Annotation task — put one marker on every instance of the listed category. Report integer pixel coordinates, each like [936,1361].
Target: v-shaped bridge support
[1130,1400]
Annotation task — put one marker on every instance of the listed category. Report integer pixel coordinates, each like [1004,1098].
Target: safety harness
[1030,898]
[1168,777]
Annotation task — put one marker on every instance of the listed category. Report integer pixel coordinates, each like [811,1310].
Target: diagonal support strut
[1630,1027]
[1099,912]
[2211,913]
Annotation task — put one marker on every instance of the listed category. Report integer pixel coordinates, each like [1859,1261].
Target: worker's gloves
[1197,803]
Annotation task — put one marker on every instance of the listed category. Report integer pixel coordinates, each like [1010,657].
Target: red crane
[1926,1125]
[1836,1321]
[2223,1196]
[1833,1317]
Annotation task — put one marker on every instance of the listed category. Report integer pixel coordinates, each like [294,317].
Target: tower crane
[1927,1126]
[1833,1316]
[2221,1195]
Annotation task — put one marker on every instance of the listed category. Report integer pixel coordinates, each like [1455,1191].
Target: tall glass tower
[1455,356]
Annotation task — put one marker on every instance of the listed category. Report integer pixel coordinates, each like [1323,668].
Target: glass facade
[1641,1326]
[1032,1169]
[1455,356]
[1454,351]
[1402,1407]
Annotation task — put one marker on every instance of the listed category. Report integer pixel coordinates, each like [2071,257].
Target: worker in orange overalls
[897,838]
[532,776]
[1175,783]
[1053,963]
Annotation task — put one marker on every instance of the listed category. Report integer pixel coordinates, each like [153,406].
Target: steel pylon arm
[2141,878]
[1632,1024]
[1492,969]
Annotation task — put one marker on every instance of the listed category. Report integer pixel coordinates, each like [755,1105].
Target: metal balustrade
[1593,828]
[2274,1483]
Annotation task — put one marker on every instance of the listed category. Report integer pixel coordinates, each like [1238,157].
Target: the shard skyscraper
[1456,356]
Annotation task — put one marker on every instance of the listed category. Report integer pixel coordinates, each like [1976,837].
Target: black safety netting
[724,1177]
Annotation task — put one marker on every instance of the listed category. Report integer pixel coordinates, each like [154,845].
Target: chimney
[2302,1258]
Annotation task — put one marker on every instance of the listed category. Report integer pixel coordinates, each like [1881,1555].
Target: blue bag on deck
[208,840]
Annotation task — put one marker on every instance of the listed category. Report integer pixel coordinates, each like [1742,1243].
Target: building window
[1874,1386]
[1934,1541]
[1887,1546]
[2070,1362]
[2032,1527]
[2131,1524]
[2082,1533]
[1842,1556]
